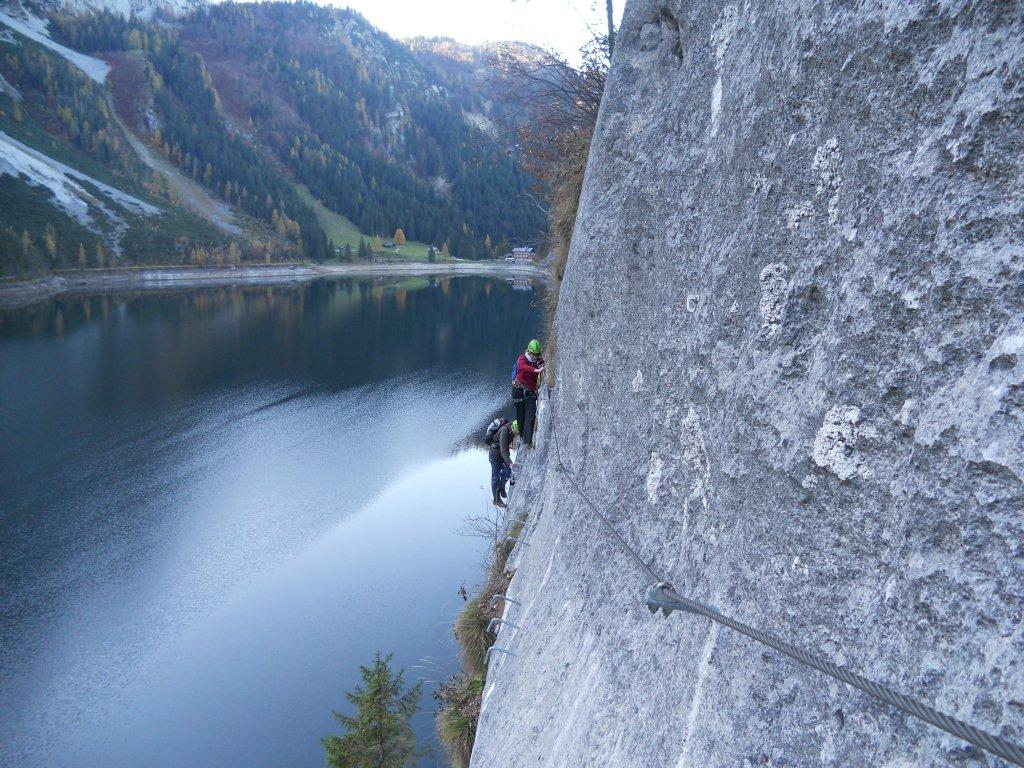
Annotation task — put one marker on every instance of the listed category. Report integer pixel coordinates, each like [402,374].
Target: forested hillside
[259,103]
[343,107]
[73,193]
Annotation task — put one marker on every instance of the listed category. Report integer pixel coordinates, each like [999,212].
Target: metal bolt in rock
[487,655]
[521,520]
[496,622]
[496,598]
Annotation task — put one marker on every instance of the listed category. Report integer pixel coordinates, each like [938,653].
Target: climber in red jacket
[526,382]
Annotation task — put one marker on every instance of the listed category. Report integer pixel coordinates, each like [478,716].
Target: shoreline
[21,293]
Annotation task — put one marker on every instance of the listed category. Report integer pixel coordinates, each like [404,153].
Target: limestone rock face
[791,369]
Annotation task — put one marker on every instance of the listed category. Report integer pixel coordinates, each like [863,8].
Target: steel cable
[633,553]
[989,742]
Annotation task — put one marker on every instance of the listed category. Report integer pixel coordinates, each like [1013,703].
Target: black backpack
[492,430]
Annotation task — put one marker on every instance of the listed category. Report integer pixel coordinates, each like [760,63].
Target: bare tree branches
[611,27]
[553,102]
[555,107]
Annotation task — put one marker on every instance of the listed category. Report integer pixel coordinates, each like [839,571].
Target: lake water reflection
[215,503]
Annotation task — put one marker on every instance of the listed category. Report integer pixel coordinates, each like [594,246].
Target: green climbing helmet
[534,347]
[515,426]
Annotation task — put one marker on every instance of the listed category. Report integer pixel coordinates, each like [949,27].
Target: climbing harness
[663,596]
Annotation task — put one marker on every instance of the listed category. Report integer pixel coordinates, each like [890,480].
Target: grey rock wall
[791,364]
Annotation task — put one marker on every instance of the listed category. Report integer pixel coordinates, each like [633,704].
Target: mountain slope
[471,75]
[336,104]
[254,102]
[36,29]
[72,192]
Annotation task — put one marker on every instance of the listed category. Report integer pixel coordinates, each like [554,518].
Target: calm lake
[216,503]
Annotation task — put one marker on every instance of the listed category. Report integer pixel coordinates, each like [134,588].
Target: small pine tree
[81,255]
[346,252]
[379,735]
[431,254]
[399,237]
[445,252]
[364,251]
[376,245]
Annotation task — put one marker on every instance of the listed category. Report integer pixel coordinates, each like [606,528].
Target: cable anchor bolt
[659,597]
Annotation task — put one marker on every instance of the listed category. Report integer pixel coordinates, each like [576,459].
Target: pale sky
[561,25]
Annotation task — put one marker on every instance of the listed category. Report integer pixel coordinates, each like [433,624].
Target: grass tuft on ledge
[460,697]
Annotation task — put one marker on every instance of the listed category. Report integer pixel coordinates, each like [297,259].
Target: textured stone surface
[791,364]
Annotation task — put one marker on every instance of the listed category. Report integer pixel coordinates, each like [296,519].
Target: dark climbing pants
[525,401]
[500,473]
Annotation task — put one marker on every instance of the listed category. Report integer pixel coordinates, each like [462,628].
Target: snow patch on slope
[35,29]
[67,195]
[66,184]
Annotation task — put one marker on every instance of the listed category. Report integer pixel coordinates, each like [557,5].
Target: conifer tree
[50,240]
[379,734]
[399,237]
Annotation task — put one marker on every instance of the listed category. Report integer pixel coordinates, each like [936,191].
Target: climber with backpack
[500,440]
[525,384]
